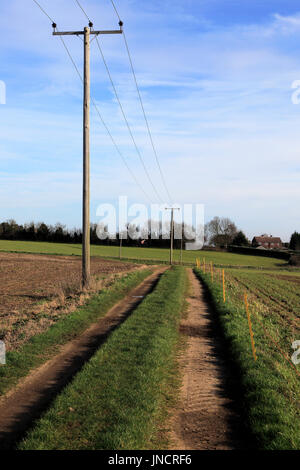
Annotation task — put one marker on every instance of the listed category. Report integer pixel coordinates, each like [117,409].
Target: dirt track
[20,407]
[205,418]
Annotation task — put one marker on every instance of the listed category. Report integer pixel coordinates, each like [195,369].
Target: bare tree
[220,231]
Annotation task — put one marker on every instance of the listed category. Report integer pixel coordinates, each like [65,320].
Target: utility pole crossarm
[78,33]
[91,31]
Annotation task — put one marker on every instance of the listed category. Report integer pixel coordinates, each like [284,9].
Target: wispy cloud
[286,22]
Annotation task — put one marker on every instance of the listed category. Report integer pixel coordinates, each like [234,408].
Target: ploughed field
[35,288]
[275,298]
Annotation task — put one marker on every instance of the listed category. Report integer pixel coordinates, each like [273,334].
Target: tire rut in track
[207,417]
[20,407]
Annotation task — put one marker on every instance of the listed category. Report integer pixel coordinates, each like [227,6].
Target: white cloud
[288,21]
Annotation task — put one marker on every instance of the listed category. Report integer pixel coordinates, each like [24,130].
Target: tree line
[59,233]
[219,232]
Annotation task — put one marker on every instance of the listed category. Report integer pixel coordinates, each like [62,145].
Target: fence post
[224,290]
[250,327]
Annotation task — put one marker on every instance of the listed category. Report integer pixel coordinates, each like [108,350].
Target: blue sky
[216,80]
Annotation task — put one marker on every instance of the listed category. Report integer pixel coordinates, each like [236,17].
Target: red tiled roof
[267,239]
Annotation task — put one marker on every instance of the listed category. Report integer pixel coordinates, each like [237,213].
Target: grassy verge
[43,346]
[119,399]
[270,386]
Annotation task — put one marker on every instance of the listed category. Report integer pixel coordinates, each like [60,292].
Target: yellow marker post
[224,290]
[250,327]
[204,264]
[212,271]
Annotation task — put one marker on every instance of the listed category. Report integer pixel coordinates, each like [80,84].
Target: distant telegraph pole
[172,209]
[121,243]
[87,32]
[181,243]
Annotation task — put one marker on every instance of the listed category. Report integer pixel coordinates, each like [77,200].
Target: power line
[104,123]
[146,119]
[45,13]
[95,105]
[119,151]
[83,11]
[122,110]
[115,8]
[142,105]
[126,121]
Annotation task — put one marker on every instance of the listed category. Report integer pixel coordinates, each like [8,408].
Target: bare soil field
[36,289]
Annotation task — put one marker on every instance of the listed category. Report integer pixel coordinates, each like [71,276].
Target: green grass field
[271,385]
[218,258]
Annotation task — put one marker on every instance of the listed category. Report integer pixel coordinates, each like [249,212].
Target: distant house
[267,242]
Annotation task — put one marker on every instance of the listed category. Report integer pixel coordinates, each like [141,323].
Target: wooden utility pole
[86,255]
[172,209]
